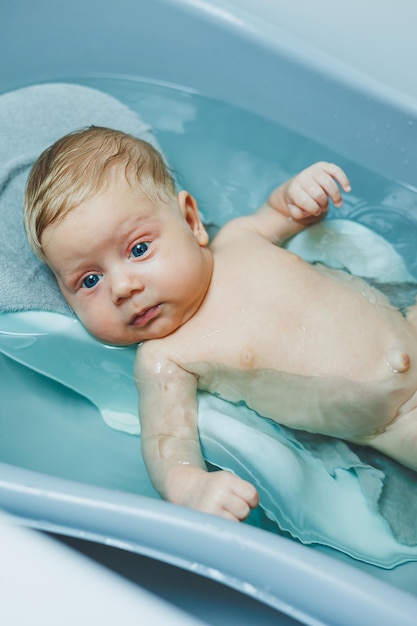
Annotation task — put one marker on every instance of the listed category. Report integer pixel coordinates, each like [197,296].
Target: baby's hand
[224,494]
[220,493]
[308,193]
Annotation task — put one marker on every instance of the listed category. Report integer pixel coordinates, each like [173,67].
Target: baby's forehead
[123,200]
[118,194]
[125,177]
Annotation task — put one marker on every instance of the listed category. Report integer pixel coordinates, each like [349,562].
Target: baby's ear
[189,209]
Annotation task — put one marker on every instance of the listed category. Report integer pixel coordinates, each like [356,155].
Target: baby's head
[77,167]
[129,253]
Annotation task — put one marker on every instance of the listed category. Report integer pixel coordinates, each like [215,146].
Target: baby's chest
[233,344]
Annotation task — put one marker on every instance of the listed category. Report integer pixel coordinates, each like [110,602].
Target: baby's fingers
[241,500]
[326,180]
[309,192]
[306,198]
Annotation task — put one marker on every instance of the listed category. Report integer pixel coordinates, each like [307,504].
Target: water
[55,431]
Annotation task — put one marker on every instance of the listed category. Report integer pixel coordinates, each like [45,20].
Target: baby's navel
[247,358]
[398,361]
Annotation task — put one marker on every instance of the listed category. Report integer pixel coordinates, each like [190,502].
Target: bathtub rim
[267,567]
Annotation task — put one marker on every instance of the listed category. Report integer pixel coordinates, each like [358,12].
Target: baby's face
[130,267]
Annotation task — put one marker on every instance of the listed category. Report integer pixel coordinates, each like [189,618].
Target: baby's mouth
[145,316]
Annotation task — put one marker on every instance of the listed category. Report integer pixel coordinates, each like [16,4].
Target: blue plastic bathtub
[229,55]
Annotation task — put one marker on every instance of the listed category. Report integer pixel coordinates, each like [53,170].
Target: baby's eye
[139,249]
[91,281]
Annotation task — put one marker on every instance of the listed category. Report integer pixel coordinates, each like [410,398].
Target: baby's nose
[124,284]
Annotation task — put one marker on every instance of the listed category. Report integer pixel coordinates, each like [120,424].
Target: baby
[241,317]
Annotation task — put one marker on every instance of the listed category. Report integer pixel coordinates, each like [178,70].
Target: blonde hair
[75,168]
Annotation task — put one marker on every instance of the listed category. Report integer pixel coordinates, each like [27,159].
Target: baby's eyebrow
[144,223]
[71,275]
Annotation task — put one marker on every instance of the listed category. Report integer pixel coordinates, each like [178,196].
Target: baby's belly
[349,378]
[357,335]
[328,405]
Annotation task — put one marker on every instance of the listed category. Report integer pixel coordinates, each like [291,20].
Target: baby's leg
[399,440]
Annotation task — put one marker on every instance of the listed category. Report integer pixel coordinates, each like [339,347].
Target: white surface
[45,583]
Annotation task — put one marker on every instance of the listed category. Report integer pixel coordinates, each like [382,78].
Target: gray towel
[31,119]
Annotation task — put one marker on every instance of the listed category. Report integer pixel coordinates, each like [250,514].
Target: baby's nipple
[398,361]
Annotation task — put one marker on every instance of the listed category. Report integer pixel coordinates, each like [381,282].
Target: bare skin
[242,318]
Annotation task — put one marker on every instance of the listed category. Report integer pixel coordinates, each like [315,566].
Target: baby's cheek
[103,332]
[94,322]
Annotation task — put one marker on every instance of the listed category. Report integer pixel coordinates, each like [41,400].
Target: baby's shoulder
[151,354]
[161,366]
[235,230]
[156,354]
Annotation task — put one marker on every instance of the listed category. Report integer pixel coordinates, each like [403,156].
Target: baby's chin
[118,343]
[132,335]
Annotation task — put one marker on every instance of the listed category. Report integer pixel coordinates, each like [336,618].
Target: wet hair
[78,166]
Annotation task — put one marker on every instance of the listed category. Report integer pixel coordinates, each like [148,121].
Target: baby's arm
[301,201]
[170,442]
